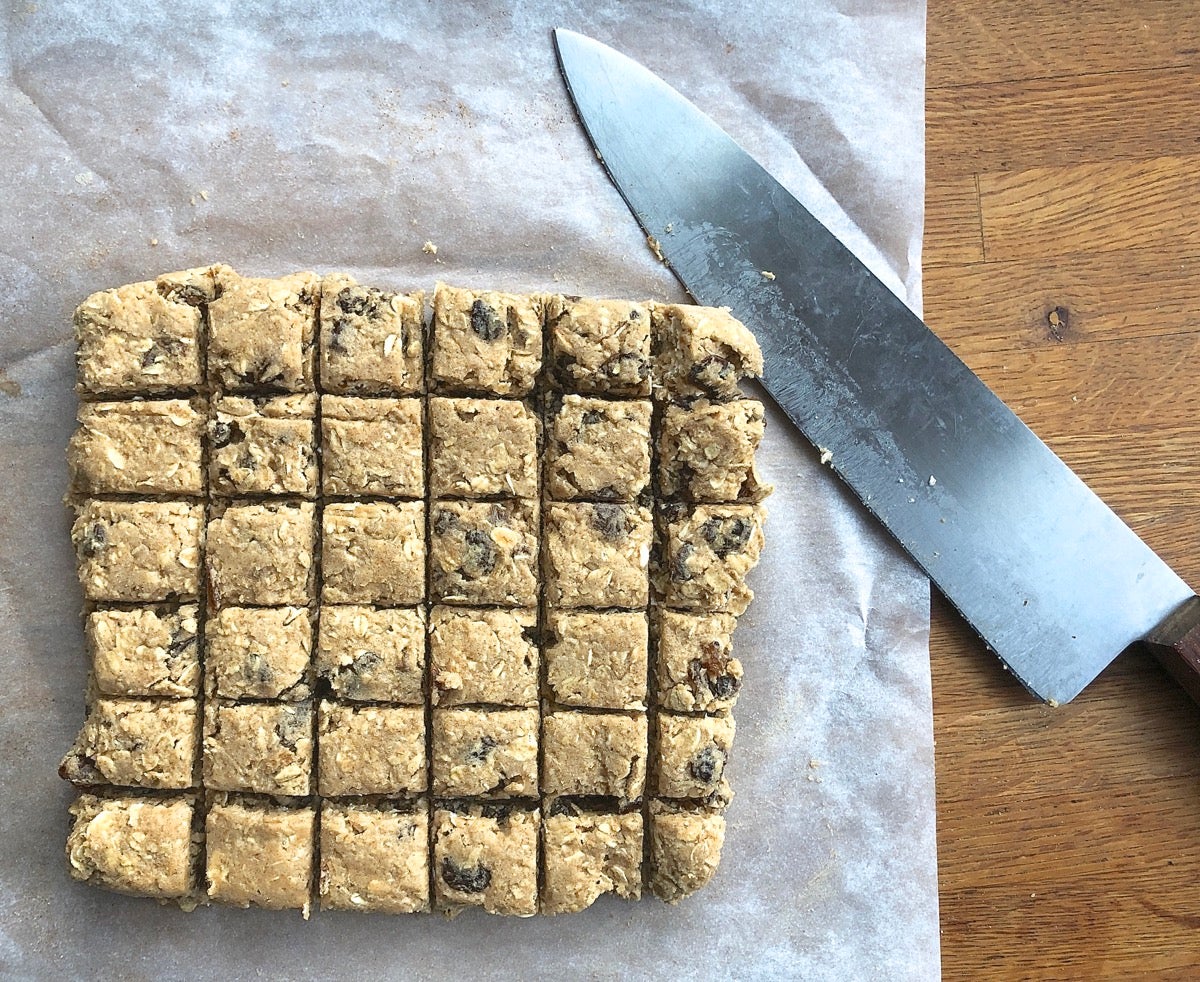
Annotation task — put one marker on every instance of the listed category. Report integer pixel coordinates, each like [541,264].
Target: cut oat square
[372,447]
[262,554]
[486,857]
[263,446]
[481,448]
[371,340]
[373,553]
[479,655]
[485,343]
[484,552]
[373,654]
[600,346]
[375,857]
[146,651]
[264,747]
[485,753]
[258,653]
[599,450]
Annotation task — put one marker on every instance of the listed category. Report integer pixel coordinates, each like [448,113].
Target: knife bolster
[1176,644]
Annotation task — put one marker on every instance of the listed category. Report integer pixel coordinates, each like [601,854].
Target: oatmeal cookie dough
[373,654]
[484,856]
[594,754]
[695,670]
[597,659]
[485,753]
[263,446]
[709,551]
[371,340]
[706,452]
[481,448]
[138,447]
[366,750]
[374,857]
[138,551]
[136,743]
[483,656]
[265,747]
[703,352]
[587,853]
[485,342]
[685,848]
[373,553]
[484,552]
[260,853]
[691,753]
[141,846]
[599,346]
[372,447]
[599,450]
[597,555]
[146,651]
[258,653]
[261,553]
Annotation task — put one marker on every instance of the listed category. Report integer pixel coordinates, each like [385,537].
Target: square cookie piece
[258,653]
[484,552]
[706,452]
[483,656]
[589,853]
[262,554]
[137,448]
[597,659]
[372,447]
[136,743]
[479,753]
[137,340]
[594,754]
[373,655]
[261,333]
[486,857]
[374,858]
[599,450]
[370,749]
[260,853]
[709,551]
[685,848]
[370,339]
[258,746]
[147,651]
[485,342]
[263,446]
[597,555]
[373,553]
[600,346]
[481,448]
[141,846]
[704,352]
[138,551]
[695,670]
[691,755]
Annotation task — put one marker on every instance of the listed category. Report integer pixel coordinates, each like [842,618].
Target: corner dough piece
[258,653]
[147,651]
[597,659]
[599,346]
[695,669]
[136,743]
[263,446]
[258,746]
[373,655]
[594,754]
[480,753]
[261,333]
[137,448]
[709,551]
[139,551]
[373,552]
[370,339]
[597,555]
[599,450]
[703,352]
[370,749]
[588,853]
[691,754]
[140,846]
[374,858]
[262,554]
[706,452]
[483,656]
[485,342]
[685,848]
[486,857]
[484,552]
[261,854]
[482,448]
[372,447]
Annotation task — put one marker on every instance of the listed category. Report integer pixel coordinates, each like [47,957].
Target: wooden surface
[1062,263]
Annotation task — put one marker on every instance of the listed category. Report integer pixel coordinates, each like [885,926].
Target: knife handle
[1176,644]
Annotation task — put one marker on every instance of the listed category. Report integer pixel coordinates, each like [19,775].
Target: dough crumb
[768,275]
[826,455]
[932,481]
[655,248]
[429,248]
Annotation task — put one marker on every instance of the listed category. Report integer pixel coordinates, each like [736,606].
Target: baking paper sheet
[151,137]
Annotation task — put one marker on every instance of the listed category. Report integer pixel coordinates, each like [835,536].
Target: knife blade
[1051,579]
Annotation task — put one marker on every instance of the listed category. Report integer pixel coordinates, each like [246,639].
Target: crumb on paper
[670,229]
[932,481]
[768,275]
[203,195]
[655,248]
[826,455]
[429,248]
[154,242]
[599,155]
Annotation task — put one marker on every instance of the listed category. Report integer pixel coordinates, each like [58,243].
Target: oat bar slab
[407,607]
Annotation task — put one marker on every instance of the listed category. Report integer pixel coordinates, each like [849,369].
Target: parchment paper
[278,136]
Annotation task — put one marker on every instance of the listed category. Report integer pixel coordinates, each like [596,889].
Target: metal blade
[1051,579]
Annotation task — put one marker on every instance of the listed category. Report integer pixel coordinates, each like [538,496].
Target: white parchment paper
[279,136]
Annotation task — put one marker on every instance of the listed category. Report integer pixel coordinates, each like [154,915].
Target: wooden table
[1062,263]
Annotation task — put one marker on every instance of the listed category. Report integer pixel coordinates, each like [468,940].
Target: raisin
[482,750]
[223,434]
[609,521]
[257,669]
[465,879]
[360,301]
[307,297]
[444,521]
[480,559]
[564,365]
[530,634]
[608,493]
[707,766]
[161,348]
[485,323]
[337,335]
[726,535]
[723,686]
[350,677]
[635,314]
[187,293]
[95,538]
[712,373]
[592,416]
[629,362]
[293,725]
[679,563]
[561,806]
[181,640]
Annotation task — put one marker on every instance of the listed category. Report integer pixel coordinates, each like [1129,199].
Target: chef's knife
[1051,579]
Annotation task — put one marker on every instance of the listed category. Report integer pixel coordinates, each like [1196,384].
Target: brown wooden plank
[953,223]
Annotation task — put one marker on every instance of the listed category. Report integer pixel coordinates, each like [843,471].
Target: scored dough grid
[406,616]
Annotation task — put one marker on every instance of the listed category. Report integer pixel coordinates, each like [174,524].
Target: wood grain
[1063,264]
